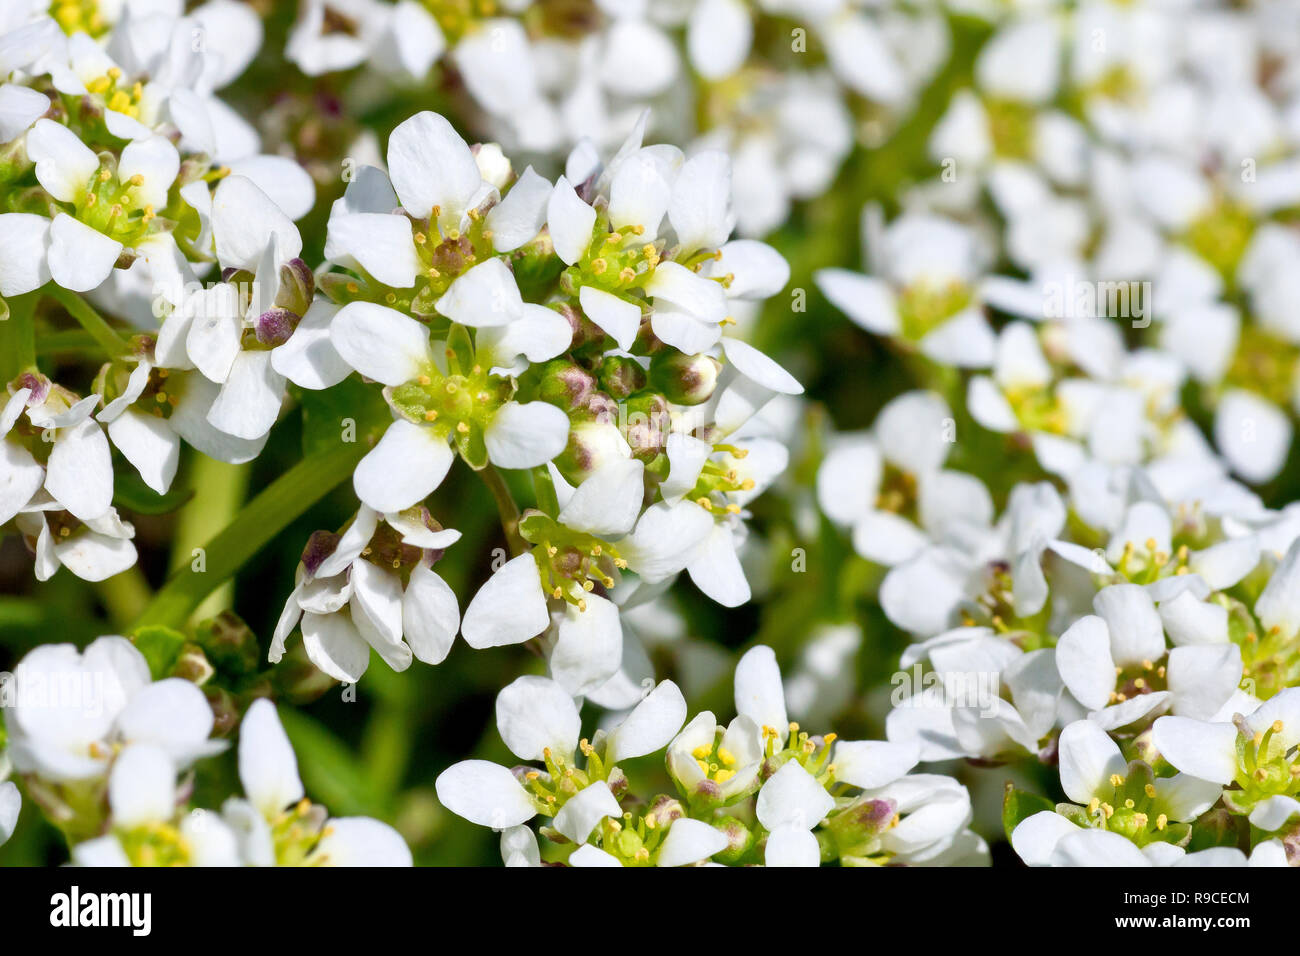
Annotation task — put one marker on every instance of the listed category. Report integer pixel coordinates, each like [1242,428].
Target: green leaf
[161,647]
[332,773]
[1019,805]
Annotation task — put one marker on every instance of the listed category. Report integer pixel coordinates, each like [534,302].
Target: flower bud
[230,644]
[275,326]
[855,830]
[740,841]
[193,665]
[297,287]
[621,376]
[684,379]
[565,385]
[591,444]
[492,163]
[646,423]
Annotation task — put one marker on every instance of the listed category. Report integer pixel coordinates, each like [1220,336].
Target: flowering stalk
[269,513]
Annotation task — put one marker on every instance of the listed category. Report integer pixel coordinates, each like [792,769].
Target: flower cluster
[100,745]
[756,791]
[1089,288]
[575,331]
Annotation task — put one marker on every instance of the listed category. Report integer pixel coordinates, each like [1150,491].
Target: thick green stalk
[218,492]
[506,508]
[258,522]
[90,320]
[18,337]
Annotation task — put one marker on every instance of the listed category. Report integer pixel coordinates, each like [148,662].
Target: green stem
[506,508]
[124,595]
[218,492]
[18,337]
[544,487]
[90,320]
[258,522]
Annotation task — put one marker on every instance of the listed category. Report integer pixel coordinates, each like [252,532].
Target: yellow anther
[1149,790]
[1162,821]
[726,756]
[1116,780]
[462,428]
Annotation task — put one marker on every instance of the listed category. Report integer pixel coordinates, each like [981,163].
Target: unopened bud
[621,376]
[275,326]
[297,287]
[685,379]
[565,385]
[591,444]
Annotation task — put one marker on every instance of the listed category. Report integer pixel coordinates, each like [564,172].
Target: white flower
[75,708]
[924,293]
[375,588]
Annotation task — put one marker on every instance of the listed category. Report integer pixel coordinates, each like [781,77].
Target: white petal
[407,464]
[1084,660]
[520,216]
[792,797]
[792,846]
[535,714]
[249,401]
[431,165]
[430,615]
[80,258]
[651,724]
[484,793]
[588,646]
[333,644]
[1088,760]
[64,164]
[619,318]
[381,244]
[580,813]
[1198,748]
[716,569]
[759,692]
[142,786]
[243,220]
[381,343]
[309,359]
[690,841]
[509,608]
[361,841]
[570,222]
[268,768]
[867,301]
[24,248]
[524,436]
[80,471]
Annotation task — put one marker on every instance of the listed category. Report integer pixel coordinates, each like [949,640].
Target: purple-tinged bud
[320,546]
[591,445]
[38,383]
[740,841]
[621,376]
[275,326]
[646,426]
[855,830]
[565,385]
[297,287]
[665,810]
[685,379]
